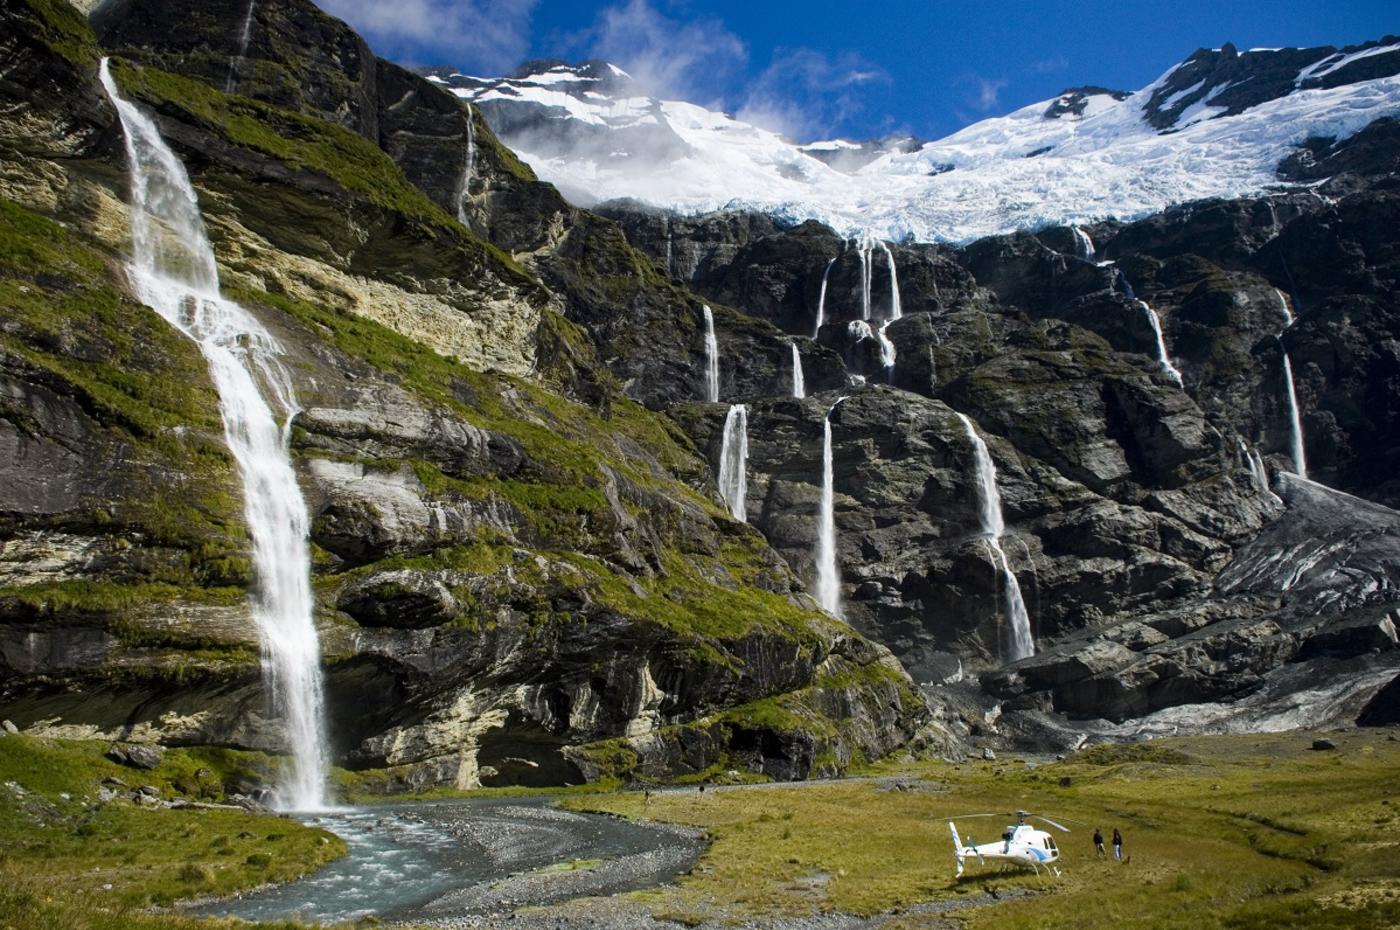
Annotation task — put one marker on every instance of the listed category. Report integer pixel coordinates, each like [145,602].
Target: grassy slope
[78,863]
[1227,832]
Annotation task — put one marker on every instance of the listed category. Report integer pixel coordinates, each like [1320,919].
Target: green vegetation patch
[64,30]
[1256,832]
[304,142]
[69,331]
[72,860]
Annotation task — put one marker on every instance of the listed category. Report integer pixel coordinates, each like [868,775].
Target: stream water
[434,859]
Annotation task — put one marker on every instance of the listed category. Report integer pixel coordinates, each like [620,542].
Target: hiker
[1098,844]
[1117,845]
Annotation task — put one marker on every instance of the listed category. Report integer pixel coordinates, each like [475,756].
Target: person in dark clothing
[1117,845]
[1098,843]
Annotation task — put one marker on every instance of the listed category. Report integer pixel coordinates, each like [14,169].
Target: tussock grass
[69,861]
[1234,832]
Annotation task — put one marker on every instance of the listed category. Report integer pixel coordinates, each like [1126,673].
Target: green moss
[66,31]
[68,860]
[306,143]
[73,333]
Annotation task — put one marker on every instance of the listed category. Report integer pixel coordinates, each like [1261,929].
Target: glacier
[1082,157]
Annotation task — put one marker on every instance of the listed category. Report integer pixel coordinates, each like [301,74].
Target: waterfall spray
[711,358]
[468,169]
[896,304]
[1295,422]
[173,271]
[821,301]
[1084,243]
[1163,359]
[828,575]
[989,512]
[799,383]
[1283,307]
[867,273]
[733,461]
[244,35]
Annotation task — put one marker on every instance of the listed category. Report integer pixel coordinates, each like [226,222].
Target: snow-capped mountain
[1216,125]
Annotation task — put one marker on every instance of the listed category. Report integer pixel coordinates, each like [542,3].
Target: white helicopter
[1021,844]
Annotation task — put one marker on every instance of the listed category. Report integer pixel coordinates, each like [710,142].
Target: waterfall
[1295,422]
[1283,306]
[468,169]
[799,383]
[867,273]
[896,305]
[243,38]
[989,511]
[173,271]
[828,575]
[1162,358]
[886,350]
[1084,243]
[711,358]
[821,300]
[733,461]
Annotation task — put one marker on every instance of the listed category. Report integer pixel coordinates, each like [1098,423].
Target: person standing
[1098,844]
[1117,845]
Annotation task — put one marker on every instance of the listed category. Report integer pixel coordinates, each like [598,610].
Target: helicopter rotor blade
[970,816]
[1060,827]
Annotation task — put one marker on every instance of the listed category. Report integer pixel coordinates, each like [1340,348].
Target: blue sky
[820,69]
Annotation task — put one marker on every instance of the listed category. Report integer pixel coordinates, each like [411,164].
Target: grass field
[1222,832]
[69,861]
[1234,833]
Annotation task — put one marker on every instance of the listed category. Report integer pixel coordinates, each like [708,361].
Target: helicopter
[1021,844]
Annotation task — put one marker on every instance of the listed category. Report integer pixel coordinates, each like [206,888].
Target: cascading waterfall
[468,169]
[886,350]
[821,301]
[896,304]
[173,271]
[861,331]
[711,358]
[1163,358]
[799,383]
[828,575]
[867,274]
[1283,306]
[993,528]
[1295,422]
[1084,243]
[733,461]
[243,37]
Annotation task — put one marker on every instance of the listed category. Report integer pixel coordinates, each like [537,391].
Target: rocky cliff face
[1134,505]
[519,577]
[522,570]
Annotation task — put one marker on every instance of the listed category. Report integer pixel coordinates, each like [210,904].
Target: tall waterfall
[469,170]
[711,358]
[1163,358]
[173,271]
[828,575]
[1283,304]
[989,511]
[244,35]
[733,461]
[799,383]
[821,301]
[896,304]
[1084,243]
[1295,422]
[867,274]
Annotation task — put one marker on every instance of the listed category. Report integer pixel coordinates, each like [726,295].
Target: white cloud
[806,94]
[691,60]
[980,92]
[486,35]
